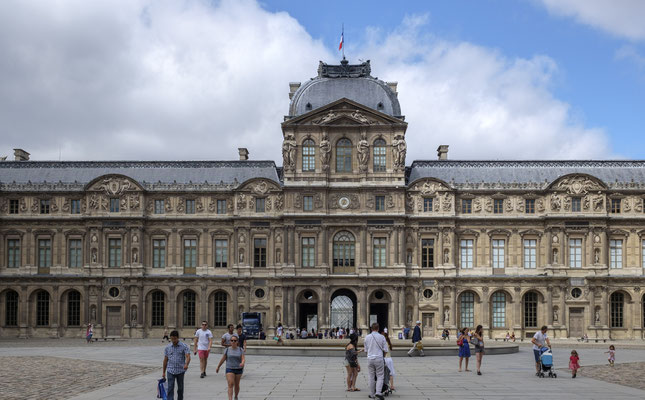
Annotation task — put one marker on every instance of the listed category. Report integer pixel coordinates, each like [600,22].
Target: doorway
[427,320]
[576,322]
[378,313]
[343,309]
[114,321]
[308,316]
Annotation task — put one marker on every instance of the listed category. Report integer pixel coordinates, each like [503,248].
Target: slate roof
[527,174]
[151,174]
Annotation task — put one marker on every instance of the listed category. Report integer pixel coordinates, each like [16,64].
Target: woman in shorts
[478,341]
[234,357]
[351,362]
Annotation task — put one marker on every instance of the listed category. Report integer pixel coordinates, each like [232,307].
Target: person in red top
[574,363]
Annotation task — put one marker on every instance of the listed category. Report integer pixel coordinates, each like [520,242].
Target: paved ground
[505,376]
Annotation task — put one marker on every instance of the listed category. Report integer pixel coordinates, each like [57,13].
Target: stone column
[364,249]
[292,307]
[325,246]
[292,247]
[323,320]
[517,311]
[203,304]
[604,321]
[453,306]
[401,306]
[128,317]
[549,306]
[484,311]
[402,249]
[99,312]
[141,312]
[441,306]
[592,306]
[562,307]
[415,305]
[173,309]
[247,302]
[234,309]
[86,306]
[363,308]
[393,308]
[23,315]
[270,323]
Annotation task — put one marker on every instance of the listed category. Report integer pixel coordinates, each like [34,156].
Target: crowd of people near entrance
[377,346]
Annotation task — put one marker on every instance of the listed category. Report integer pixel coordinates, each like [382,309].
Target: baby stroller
[546,363]
[385,389]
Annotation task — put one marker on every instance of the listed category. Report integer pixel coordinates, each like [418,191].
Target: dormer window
[308,107]
[379,106]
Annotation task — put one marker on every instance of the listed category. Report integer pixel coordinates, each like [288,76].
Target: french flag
[342,39]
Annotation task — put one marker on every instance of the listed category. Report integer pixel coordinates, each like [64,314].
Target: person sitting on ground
[507,337]
[513,336]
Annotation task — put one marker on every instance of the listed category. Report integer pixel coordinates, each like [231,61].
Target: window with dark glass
[576,204]
[467,206]
[427,204]
[530,253]
[380,153]
[11,308]
[575,253]
[308,156]
[221,253]
[221,206]
[308,251]
[42,308]
[616,253]
[466,247]
[158,309]
[220,318]
[190,206]
[114,205]
[158,253]
[379,202]
[75,253]
[13,253]
[498,206]
[467,309]
[260,252]
[260,204]
[44,206]
[499,310]
[530,310]
[160,206]
[427,253]
[44,253]
[615,206]
[307,203]
[73,308]
[14,206]
[114,250]
[344,249]
[344,156]
[379,252]
[529,206]
[617,301]
[190,253]
[188,308]
[75,206]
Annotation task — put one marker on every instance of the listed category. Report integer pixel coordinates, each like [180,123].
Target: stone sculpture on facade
[363,152]
[325,152]
[399,149]
[289,152]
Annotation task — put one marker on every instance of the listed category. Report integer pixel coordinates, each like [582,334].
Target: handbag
[162,389]
[460,342]
[474,341]
[419,345]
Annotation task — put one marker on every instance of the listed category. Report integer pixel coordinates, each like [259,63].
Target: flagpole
[343,36]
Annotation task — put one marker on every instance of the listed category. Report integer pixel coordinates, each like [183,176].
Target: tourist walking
[574,363]
[175,362]
[416,339]
[539,340]
[375,347]
[612,355]
[203,343]
[464,348]
[234,357]
[351,362]
[226,337]
[278,333]
[389,364]
[89,333]
[478,340]
[242,337]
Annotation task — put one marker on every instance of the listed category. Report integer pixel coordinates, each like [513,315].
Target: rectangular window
[499,310]
[13,247]
[467,206]
[576,204]
[616,253]
[379,252]
[575,253]
[615,206]
[221,253]
[529,206]
[308,251]
[259,204]
[308,203]
[498,253]
[379,202]
[190,253]
[379,158]
[190,206]
[159,253]
[14,206]
[308,156]
[114,205]
[259,252]
[427,204]
[466,246]
[427,253]
[160,206]
[75,206]
[530,253]
[498,206]
[44,206]
[44,253]
[114,248]
[75,253]
[221,206]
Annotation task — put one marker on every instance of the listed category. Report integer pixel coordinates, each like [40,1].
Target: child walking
[574,363]
[612,355]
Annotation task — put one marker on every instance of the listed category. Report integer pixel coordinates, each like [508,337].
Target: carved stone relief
[363,152]
[325,153]
[399,149]
[289,152]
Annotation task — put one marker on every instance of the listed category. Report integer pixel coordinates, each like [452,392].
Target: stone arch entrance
[343,309]
[379,302]
[308,310]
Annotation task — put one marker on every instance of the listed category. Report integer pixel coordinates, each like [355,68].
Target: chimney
[442,152]
[20,155]
[244,153]
[392,86]
[293,86]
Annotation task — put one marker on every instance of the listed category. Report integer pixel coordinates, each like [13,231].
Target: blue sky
[196,79]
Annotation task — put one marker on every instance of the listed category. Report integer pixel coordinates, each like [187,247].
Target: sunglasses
[233,340]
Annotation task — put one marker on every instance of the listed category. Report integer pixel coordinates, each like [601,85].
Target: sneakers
[479,373]
[202,375]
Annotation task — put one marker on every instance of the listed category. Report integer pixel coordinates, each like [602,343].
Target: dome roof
[353,82]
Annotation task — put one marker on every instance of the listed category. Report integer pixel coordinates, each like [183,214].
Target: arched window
[643,308]
[344,156]
[220,309]
[11,308]
[308,156]
[617,301]
[158,308]
[73,308]
[344,249]
[188,308]
[42,308]
[467,310]
[530,310]
[499,310]
[379,155]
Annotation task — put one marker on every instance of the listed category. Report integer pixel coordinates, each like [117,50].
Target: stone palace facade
[344,233]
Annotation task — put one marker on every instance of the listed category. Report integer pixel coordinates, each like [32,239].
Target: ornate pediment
[429,187]
[259,187]
[114,185]
[578,185]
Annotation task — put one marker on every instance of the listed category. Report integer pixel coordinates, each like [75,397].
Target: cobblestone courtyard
[68,369]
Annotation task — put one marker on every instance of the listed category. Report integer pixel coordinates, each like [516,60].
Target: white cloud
[623,18]
[195,80]
[632,54]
